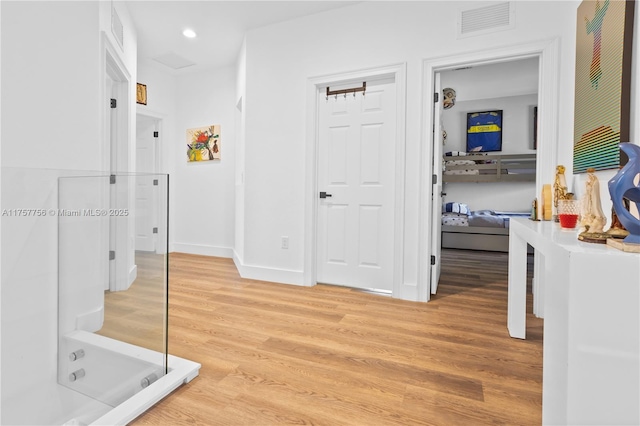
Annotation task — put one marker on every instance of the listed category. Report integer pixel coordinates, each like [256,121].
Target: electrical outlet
[284,242]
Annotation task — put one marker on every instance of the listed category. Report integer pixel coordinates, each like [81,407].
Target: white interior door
[146,185]
[436,195]
[356,169]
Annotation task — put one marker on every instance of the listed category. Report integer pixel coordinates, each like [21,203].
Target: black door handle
[325,195]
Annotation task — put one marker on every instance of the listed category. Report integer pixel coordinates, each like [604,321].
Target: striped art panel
[602,91]
[597,149]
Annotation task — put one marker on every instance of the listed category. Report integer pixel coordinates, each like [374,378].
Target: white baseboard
[408,291]
[261,273]
[203,250]
[133,274]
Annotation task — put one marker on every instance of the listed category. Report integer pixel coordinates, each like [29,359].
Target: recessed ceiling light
[189,33]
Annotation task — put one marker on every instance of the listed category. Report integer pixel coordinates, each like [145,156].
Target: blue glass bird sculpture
[622,186]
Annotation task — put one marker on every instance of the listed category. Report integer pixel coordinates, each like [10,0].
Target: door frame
[112,66]
[398,72]
[548,80]
[437,185]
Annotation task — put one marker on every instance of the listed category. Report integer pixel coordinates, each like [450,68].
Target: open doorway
[547,54]
[488,127]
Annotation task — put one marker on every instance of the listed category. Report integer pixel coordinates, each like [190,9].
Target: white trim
[202,250]
[180,371]
[263,273]
[133,274]
[548,53]
[140,109]
[398,72]
[112,66]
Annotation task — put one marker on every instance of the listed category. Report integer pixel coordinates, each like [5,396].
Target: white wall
[51,75]
[511,78]
[204,192]
[517,120]
[280,60]
[577,183]
[201,195]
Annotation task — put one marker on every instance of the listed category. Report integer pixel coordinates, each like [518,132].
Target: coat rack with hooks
[345,91]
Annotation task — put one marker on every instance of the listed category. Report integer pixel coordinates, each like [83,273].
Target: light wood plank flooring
[279,354]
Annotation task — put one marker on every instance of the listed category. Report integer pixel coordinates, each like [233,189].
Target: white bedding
[481,218]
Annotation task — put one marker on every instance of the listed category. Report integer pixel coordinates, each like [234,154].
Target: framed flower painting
[203,143]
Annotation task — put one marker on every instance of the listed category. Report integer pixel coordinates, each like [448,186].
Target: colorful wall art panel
[203,143]
[602,85]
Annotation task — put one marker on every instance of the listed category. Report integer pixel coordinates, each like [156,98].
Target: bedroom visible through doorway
[482,191]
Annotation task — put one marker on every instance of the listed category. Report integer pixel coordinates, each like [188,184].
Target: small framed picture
[484,131]
[141,94]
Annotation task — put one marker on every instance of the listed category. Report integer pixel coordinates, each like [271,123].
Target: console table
[591,367]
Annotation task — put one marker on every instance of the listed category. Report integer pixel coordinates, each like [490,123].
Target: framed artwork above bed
[484,131]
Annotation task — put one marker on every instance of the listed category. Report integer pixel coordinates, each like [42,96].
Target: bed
[476,230]
[464,167]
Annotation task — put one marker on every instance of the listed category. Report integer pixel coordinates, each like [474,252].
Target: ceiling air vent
[488,19]
[173,60]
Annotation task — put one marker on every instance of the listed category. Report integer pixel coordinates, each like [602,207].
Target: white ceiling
[220,25]
[497,80]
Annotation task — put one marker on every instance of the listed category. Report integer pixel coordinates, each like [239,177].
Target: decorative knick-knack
[593,218]
[622,186]
[559,187]
[616,230]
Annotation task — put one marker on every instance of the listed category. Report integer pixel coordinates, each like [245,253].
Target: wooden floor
[138,315]
[280,354]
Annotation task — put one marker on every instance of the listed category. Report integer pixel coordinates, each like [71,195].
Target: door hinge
[434,180]
[156,134]
[436,97]
[113,103]
[112,179]
[155,182]
[433,260]
[112,254]
[155,230]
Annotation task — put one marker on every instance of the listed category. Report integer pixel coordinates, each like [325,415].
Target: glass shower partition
[113,288]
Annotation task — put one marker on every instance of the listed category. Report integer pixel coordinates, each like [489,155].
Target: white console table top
[549,236]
